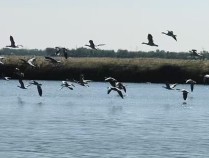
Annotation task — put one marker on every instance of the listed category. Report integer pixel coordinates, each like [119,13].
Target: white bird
[170,86]
[1,62]
[67,84]
[191,82]
[29,61]
[38,86]
[5,77]
[205,78]
[111,80]
[115,89]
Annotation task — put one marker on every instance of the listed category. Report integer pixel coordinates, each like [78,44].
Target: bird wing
[30,62]
[174,37]
[120,93]
[150,39]
[57,50]
[192,87]
[21,82]
[100,44]
[109,90]
[65,54]
[184,95]
[12,41]
[167,85]
[51,59]
[39,90]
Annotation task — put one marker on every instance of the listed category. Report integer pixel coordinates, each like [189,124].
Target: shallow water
[87,122]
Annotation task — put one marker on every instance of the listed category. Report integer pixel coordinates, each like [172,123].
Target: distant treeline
[84,52]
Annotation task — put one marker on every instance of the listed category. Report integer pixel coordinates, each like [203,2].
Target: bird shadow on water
[20,101]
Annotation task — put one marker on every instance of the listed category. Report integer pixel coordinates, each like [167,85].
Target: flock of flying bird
[115,85]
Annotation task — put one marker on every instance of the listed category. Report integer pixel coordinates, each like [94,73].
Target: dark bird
[67,84]
[185,93]
[38,86]
[120,86]
[92,45]
[169,86]
[52,60]
[64,51]
[191,82]
[13,43]
[82,81]
[111,80]
[170,33]
[194,53]
[22,86]
[150,41]
[115,89]
[19,74]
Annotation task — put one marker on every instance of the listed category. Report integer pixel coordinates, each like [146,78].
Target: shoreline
[137,70]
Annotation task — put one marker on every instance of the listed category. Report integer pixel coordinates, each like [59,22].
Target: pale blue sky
[121,24]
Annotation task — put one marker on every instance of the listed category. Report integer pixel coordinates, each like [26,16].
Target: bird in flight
[64,50]
[170,33]
[194,53]
[170,86]
[115,89]
[185,93]
[29,62]
[67,84]
[92,45]
[38,86]
[191,82]
[13,43]
[150,41]
[52,60]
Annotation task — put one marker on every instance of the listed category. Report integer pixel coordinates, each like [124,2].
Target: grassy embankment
[126,70]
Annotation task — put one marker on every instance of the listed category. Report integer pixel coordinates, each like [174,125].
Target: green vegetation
[127,70]
[84,52]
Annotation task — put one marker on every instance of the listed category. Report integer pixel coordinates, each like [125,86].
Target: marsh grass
[127,70]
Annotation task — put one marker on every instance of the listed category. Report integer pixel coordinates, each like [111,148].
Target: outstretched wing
[120,93]
[12,41]
[39,90]
[51,59]
[184,95]
[150,39]
[91,42]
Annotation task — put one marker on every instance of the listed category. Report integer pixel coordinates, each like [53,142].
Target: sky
[120,24]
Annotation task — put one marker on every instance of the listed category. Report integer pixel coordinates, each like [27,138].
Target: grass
[126,70]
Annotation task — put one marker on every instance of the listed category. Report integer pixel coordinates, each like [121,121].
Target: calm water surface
[87,123]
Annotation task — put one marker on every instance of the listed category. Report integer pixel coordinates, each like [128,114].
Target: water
[87,123]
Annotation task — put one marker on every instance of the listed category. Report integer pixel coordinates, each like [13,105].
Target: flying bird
[194,53]
[170,86]
[22,86]
[82,81]
[150,41]
[92,45]
[111,80]
[170,33]
[1,62]
[206,77]
[29,62]
[52,60]
[33,82]
[5,77]
[64,50]
[13,43]
[185,93]
[67,84]
[191,82]
[115,89]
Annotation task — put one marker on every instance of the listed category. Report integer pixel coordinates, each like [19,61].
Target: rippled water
[86,122]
